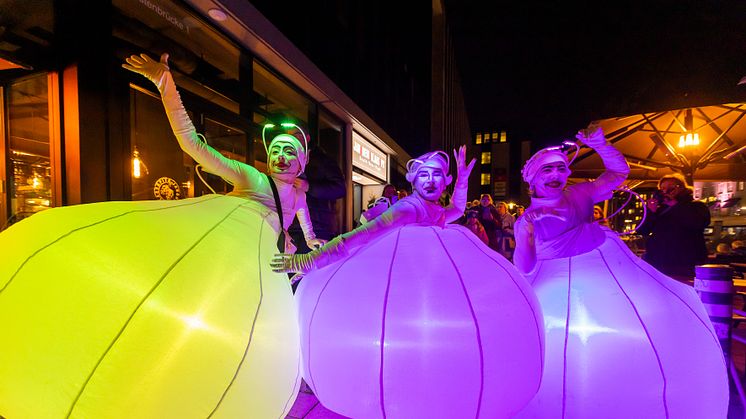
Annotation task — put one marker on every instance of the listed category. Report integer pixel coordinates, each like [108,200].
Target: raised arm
[524,256]
[458,201]
[234,172]
[399,214]
[616,165]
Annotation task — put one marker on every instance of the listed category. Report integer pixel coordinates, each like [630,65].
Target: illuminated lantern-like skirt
[624,341]
[153,309]
[425,322]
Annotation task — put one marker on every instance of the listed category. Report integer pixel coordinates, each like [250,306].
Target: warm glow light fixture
[137,165]
[689,137]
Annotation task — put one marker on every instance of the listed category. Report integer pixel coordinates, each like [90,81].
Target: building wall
[91,107]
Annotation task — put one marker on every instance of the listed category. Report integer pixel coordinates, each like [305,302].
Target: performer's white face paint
[283,159]
[429,183]
[550,179]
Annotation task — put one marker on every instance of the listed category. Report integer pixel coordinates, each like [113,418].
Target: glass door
[28,151]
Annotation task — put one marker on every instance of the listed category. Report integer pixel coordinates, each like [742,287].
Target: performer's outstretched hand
[297,263]
[462,170]
[154,71]
[306,262]
[593,136]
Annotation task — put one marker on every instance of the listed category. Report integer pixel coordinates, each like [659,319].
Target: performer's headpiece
[301,147]
[546,156]
[438,159]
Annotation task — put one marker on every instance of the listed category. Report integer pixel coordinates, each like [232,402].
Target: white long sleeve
[238,174]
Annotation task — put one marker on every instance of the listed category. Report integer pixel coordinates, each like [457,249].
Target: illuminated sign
[368,158]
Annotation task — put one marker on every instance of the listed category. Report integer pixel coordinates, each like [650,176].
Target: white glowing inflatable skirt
[153,309]
[424,322]
[624,341]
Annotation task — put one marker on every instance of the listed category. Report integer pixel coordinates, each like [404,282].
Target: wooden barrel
[714,285]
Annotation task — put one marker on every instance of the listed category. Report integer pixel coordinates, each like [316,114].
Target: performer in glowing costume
[622,339]
[408,316]
[103,315]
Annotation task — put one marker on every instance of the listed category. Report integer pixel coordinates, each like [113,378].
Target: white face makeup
[429,183]
[283,158]
[550,180]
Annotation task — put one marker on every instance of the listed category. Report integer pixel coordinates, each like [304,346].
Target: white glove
[153,70]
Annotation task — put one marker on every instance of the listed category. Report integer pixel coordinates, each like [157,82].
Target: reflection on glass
[277,102]
[231,143]
[165,171]
[29,148]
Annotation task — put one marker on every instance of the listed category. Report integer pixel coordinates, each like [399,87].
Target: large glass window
[230,142]
[160,170]
[276,102]
[29,149]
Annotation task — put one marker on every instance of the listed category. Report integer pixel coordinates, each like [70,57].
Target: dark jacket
[675,240]
[326,184]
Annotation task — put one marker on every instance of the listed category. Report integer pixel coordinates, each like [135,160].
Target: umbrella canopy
[702,143]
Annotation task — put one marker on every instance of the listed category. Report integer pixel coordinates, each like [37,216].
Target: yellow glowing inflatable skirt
[153,309]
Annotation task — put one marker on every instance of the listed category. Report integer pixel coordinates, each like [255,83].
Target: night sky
[543,69]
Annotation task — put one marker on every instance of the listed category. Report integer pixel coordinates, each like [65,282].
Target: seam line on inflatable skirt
[474,318]
[251,332]
[539,325]
[313,315]
[567,336]
[694,313]
[142,301]
[310,325]
[75,230]
[296,389]
[642,323]
[383,321]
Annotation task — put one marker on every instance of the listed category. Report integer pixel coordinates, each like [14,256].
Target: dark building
[498,169]
[395,59]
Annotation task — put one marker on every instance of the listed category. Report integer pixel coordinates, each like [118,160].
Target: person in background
[599,216]
[519,210]
[475,204]
[389,197]
[326,184]
[739,249]
[505,222]
[488,216]
[674,229]
[473,224]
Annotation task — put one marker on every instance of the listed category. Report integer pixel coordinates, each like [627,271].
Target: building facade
[498,168]
[77,128]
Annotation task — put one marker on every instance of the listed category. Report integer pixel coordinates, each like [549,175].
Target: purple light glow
[624,341]
[423,322]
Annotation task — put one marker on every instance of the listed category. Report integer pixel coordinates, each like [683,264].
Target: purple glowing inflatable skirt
[624,341]
[423,322]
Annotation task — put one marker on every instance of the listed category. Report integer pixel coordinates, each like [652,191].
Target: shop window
[29,147]
[486,157]
[277,102]
[228,141]
[160,169]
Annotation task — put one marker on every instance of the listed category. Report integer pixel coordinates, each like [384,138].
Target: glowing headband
[301,147]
